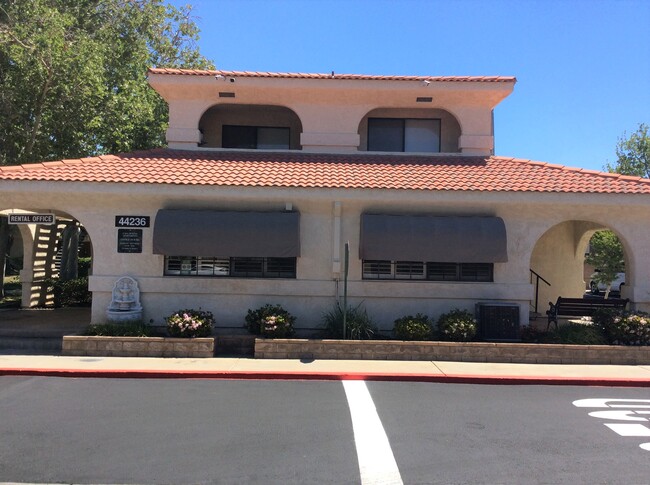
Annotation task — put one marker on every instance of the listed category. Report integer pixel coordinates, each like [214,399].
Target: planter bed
[137,346]
[451,351]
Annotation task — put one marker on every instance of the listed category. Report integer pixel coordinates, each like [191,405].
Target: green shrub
[410,327]
[12,283]
[270,321]
[13,265]
[359,325]
[575,334]
[126,329]
[71,292]
[457,326]
[623,327]
[83,267]
[190,323]
[532,334]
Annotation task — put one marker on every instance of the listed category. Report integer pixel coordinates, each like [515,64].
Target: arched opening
[11,264]
[559,259]
[605,271]
[55,259]
[429,130]
[250,127]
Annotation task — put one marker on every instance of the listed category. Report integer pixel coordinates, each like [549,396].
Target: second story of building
[331,113]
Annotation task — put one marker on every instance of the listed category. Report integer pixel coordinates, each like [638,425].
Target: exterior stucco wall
[536,224]
[329,110]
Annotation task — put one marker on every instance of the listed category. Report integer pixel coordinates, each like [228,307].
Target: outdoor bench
[581,307]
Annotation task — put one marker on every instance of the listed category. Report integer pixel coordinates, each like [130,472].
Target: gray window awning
[229,234]
[444,239]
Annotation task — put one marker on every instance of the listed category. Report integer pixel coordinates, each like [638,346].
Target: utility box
[498,321]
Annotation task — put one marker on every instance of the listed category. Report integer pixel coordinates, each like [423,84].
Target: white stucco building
[268,175]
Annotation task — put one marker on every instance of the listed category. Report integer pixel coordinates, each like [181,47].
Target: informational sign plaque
[47,219]
[129,240]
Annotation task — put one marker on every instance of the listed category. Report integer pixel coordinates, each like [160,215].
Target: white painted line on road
[621,415]
[629,429]
[376,461]
[612,403]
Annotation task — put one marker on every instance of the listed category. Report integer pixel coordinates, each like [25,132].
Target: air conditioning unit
[498,321]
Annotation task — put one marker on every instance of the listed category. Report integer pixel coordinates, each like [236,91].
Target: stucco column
[27,273]
[476,128]
[327,128]
[184,117]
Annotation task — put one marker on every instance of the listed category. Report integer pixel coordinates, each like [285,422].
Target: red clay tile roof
[362,77]
[348,171]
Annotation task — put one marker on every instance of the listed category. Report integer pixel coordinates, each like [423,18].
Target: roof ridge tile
[302,75]
[32,166]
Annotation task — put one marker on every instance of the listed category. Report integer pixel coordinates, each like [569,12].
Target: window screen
[422,136]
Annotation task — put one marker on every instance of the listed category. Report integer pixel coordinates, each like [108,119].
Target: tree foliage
[73,75]
[606,255]
[4,247]
[633,154]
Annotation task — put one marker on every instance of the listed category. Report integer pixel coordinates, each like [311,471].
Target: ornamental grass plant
[359,325]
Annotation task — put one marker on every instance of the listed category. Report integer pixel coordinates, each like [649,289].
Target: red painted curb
[331,376]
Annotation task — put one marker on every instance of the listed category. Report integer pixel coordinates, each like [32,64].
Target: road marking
[621,415]
[629,414]
[612,403]
[629,429]
[376,461]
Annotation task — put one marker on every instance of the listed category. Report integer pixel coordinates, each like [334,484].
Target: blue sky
[583,67]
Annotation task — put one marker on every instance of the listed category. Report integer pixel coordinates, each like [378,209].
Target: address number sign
[132,221]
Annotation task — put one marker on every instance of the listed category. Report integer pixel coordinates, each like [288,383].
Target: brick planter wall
[450,351]
[137,346]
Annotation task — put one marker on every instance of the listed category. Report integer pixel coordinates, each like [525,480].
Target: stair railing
[537,279]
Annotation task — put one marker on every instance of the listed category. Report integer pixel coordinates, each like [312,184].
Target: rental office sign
[47,219]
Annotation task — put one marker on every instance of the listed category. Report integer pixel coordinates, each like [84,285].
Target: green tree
[73,75]
[4,246]
[606,254]
[633,154]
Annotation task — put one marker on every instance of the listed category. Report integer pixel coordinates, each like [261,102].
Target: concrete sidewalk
[248,368]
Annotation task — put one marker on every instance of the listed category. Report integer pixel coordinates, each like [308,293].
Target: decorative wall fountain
[125,302]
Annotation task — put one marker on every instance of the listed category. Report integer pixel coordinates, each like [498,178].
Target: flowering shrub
[411,327]
[190,323]
[276,326]
[624,328]
[457,325]
[270,321]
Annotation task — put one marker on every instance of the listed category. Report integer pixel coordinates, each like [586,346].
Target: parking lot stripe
[376,461]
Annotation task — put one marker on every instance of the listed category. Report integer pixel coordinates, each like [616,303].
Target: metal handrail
[539,277]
